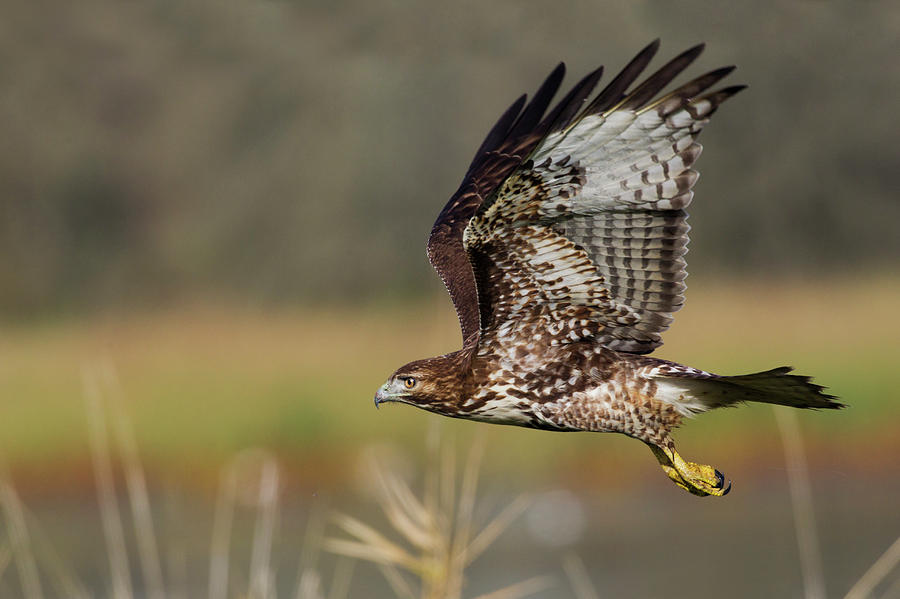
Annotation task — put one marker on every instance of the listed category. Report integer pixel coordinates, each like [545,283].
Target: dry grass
[112,442]
[439,535]
[19,542]
[875,575]
[801,503]
[810,551]
[578,576]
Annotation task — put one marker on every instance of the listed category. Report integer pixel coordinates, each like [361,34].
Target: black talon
[720,483]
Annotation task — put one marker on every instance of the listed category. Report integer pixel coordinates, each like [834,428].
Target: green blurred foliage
[284,151]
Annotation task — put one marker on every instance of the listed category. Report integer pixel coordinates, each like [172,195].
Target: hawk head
[431,384]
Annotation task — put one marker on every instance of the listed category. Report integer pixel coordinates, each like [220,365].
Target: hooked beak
[384,395]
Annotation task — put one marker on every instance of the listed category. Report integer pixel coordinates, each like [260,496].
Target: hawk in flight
[563,252]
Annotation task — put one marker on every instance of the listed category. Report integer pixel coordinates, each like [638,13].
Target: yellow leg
[696,478]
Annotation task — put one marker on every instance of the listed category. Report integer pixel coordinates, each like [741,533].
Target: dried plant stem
[307,577]
[892,591]
[438,529]
[437,524]
[221,536]
[460,541]
[802,504]
[398,584]
[20,542]
[177,566]
[486,537]
[310,586]
[59,575]
[340,583]
[65,583]
[578,576]
[109,507]
[5,558]
[261,579]
[876,573]
[136,484]
[447,469]
[63,580]
[520,589]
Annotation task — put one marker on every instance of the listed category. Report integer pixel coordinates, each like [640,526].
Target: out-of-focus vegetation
[282,150]
[205,382]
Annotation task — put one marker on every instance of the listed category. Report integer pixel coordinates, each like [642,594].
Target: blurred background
[212,227]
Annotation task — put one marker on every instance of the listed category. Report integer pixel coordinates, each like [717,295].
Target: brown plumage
[563,252]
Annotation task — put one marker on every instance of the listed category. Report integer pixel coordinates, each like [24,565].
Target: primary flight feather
[563,252]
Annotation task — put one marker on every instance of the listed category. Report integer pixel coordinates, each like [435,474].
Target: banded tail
[692,393]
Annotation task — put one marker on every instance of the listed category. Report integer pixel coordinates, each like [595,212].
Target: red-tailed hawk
[563,252]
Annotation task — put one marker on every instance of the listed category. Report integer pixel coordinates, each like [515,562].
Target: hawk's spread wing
[511,140]
[584,227]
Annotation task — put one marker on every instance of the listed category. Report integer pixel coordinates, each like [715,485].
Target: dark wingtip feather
[727,69]
[687,57]
[654,83]
[535,109]
[720,95]
[613,93]
[687,92]
[569,107]
[707,80]
[727,92]
[691,54]
[501,128]
[498,132]
[650,49]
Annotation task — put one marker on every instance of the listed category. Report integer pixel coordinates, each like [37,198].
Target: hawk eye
[409,382]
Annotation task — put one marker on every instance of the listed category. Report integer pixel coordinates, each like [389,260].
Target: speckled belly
[611,407]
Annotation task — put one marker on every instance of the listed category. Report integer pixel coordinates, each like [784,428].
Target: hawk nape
[563,252]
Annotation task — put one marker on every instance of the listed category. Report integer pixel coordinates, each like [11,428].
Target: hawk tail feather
[693,394]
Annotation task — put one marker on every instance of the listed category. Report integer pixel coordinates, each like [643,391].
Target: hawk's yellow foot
[698,479]
[676,478]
